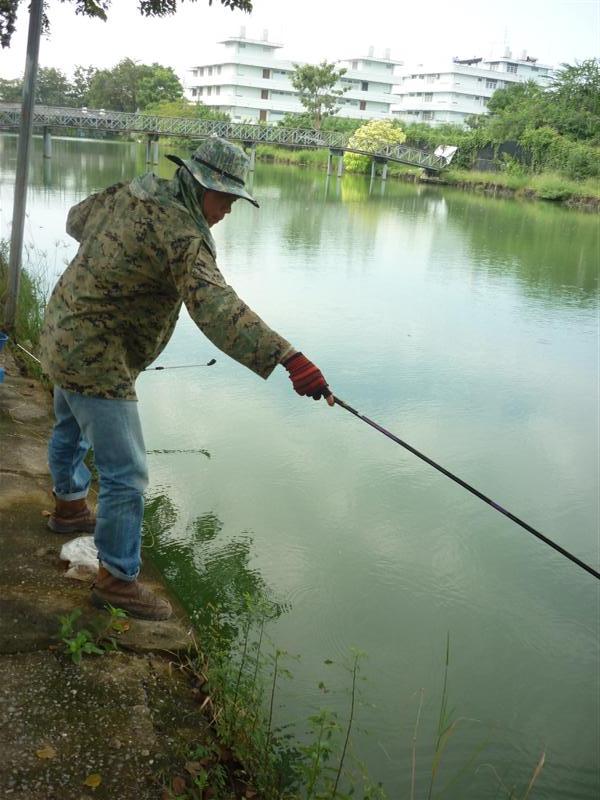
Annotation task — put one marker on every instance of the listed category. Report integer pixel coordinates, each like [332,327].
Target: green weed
[78,642]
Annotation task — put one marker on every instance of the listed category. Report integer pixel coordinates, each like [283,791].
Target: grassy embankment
[541,186]
[30,312]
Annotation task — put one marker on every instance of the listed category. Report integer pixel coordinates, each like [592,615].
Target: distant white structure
[248,82]
[452,91]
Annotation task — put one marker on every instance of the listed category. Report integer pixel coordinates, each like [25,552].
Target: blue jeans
[112,428]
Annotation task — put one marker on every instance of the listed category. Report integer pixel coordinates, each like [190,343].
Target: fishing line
[148,369]
[470,488]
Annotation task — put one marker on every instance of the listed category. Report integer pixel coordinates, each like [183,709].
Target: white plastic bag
[82,556]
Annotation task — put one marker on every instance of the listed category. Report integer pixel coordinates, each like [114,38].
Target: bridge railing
[249,133]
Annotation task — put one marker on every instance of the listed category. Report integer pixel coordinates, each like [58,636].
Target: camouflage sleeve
[223,316]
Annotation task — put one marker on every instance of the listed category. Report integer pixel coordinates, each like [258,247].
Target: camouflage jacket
[115,307]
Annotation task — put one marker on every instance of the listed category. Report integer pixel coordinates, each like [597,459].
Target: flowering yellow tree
[370,138]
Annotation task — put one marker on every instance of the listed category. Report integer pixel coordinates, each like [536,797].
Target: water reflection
[212,578]
[552,252]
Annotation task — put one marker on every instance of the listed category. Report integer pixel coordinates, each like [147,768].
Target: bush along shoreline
[548,186]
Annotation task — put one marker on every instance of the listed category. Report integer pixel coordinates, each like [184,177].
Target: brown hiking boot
[72,516]
[133,597]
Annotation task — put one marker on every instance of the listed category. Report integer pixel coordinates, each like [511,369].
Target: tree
[11,91]
[514,109]
[80,85]
[52,88]
[315,86]
[98,9]
[130,86]
[370,138]
[159,86]
[575,96]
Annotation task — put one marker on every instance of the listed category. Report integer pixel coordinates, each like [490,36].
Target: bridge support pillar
[340,171]
[252,166]
[149,149]
[329,162]
[155,150]
[384,171]
[47,143]
[373,167]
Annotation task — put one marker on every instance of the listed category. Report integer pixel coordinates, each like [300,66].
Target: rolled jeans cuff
[116,573]
[72,495]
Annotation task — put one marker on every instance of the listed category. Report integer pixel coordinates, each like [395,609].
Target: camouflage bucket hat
[219,165]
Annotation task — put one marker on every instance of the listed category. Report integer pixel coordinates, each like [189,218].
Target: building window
[210,70]
[355,65]
[241,45]
[200,91]
[363,105]
[201,71]
[208,91]
[364,86]
[428,97]
[219,69]
[427,115]
[194,92]
[490,84]
[266,73]
[264,94]
[217,90]
[511,67]
[494,66]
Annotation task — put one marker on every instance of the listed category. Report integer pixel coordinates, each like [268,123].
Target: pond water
[466,325]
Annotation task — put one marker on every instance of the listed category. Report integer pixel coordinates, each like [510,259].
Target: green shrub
[30,305]
[370,138]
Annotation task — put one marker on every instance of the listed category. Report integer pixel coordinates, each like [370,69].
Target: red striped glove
[306,377]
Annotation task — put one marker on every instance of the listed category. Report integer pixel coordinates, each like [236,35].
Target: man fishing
[145,248]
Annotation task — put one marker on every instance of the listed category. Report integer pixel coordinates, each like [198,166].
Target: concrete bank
[119,725]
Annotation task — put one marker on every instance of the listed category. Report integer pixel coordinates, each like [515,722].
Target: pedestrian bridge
[86,119]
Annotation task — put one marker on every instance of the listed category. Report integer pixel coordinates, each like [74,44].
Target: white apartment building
[248,82]
[452,91]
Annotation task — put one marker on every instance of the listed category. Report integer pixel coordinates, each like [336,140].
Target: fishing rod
[184,366]
[469,488]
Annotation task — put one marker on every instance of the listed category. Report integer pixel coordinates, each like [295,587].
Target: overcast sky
[554,31]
